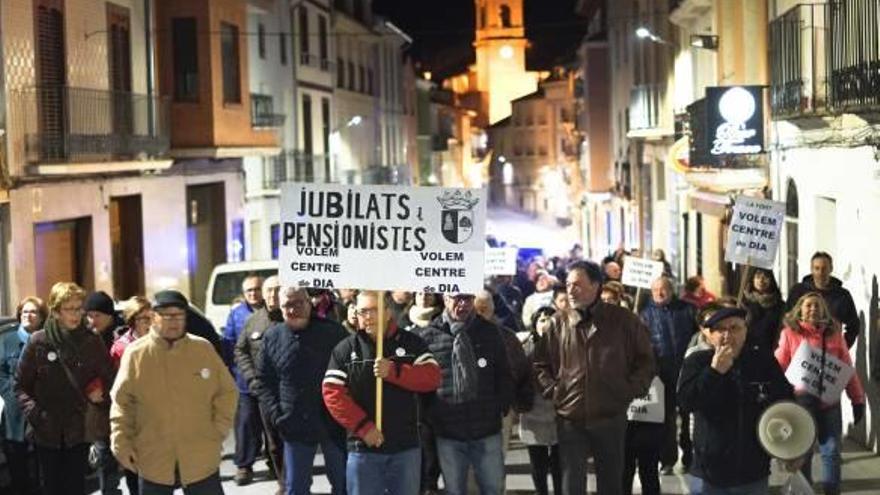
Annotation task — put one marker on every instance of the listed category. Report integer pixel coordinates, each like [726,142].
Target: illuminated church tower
[501,56]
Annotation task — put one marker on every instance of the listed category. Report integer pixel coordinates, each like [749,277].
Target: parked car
[224,287]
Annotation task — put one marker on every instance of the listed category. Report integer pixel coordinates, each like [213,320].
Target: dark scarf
[765,300]
[465,374]
[67,342]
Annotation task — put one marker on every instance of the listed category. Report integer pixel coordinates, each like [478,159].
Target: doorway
[127,245]
[63,253]
[206,235]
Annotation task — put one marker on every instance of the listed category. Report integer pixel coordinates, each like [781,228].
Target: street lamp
[643,32]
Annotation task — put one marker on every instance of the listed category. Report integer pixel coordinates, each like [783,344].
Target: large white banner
[753,237]
[640,272]
[650,408]
[805,367]
[382,237]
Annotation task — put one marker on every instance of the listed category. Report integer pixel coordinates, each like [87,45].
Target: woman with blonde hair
[64,378]
[137,314]
[810,323]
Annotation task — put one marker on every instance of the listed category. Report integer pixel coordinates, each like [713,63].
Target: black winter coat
[248,348]
[290,372]
[726,411]
[839,301]
[765,322]
[481,417]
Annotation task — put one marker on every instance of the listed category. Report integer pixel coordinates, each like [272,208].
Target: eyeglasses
[367,312]
[172,316]
[253,289]
[295,305]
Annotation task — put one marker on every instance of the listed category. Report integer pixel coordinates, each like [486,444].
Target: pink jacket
[790,340]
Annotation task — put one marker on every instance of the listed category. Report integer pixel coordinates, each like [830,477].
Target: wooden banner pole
[380,348]
[747,274]
[636,302]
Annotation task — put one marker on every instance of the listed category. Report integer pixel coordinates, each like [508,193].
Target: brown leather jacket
[51,405]
[593,368]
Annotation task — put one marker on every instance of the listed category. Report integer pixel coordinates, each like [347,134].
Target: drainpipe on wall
[151,67]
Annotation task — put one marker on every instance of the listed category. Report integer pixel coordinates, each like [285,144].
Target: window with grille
[231,69]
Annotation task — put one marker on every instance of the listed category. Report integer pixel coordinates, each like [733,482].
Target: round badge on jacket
[400,352]
[482,362]
[52,356]
[255,335]
[206,373]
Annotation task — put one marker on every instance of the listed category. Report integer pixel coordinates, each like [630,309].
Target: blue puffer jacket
[234,325]
[291,370]
[12,342]
[671,326]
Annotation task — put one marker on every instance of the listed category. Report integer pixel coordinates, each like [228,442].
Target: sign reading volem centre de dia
[753,238]
[382,237]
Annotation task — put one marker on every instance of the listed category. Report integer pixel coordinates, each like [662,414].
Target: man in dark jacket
[595,359]
[727,388]
[466,410]
[382,460]
[292,366]
[839,300]
[672,324]
[247,356]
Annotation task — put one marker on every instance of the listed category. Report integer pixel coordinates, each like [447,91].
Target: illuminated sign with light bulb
[735,120]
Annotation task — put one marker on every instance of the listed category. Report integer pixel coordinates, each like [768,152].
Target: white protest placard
[382,237]
[640,272]
[650,408]
[753,237]
[500,261]
[804,369]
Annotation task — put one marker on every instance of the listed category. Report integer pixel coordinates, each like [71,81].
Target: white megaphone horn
[786,431]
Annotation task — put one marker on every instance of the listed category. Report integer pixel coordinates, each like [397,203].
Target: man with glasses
[386,461]
[727,387]
[173,405]
[290,370]
[474,396]
[247,354]
[248,426]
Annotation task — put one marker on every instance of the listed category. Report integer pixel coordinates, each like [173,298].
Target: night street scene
[470,247]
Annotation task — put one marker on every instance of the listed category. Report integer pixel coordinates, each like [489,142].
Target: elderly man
[386,461]
[247,355]
[727,386]
[173,404]
[595,359]
[839,300]
[672,324]
[467,409]
[248,426]
[290,371]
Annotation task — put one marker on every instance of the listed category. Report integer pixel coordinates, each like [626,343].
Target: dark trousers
[275,448]
[544,461]
[208,486]
[248,431]
[430,458]
[642,451]
[108,469]
[605,440]
[678,424]
[21,466]
[131,481]
[64,470]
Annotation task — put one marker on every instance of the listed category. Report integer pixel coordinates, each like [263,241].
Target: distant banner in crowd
[806,366]
[640,272]
[650,408]
[501,261]
[753,237]
[382,237]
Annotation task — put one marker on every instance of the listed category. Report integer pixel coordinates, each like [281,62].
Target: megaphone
[786,431]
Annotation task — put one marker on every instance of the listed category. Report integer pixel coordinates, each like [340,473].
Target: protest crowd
[554,355]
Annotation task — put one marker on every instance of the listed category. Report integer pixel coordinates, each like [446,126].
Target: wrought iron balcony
[61,124]
[798,83]
[262,112]
[296,166]
[854,55]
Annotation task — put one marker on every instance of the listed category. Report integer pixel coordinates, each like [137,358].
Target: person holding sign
[727,387]
[817,362]
[386,461]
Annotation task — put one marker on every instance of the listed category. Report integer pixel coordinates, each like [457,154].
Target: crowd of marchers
[555,355]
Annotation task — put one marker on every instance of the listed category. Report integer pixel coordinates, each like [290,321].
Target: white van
[225,286]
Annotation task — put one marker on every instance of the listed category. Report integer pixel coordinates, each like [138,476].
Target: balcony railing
[826,59]
[61,124]
[262,112]
[296,166]
[798,61]
[644,107]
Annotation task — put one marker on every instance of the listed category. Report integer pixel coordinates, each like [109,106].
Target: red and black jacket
[349,388]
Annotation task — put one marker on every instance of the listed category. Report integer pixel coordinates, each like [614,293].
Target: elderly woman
[810,323]
[64,372]
[30,315]
[137,314]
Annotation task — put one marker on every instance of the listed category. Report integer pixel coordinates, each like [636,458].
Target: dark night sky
[444,31]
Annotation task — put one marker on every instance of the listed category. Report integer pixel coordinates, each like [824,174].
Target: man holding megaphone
[727,388]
